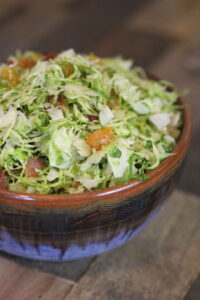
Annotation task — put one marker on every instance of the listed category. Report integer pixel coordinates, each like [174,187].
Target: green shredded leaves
[116,153]
[58,103]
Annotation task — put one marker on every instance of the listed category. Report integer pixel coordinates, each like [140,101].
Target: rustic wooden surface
[156,265]
[22,283]
[163,36]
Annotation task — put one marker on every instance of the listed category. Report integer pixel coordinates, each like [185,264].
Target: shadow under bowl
[67,227]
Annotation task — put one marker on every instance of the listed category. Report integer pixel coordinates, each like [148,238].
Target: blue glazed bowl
[67,227]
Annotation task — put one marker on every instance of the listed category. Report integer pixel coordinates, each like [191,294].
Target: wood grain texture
[133,44]
[184,16]
[91,22]
[14,12]
[72,270]
[194,291]
[21,283]
[159,264]
[18,31]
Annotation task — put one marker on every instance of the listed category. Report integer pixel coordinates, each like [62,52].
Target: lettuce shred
[49,108]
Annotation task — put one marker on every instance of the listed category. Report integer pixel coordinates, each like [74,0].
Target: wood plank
[177,18]
[6,6]
[131,43]
[194,291]
[8,13]
[90,23]
[71,270]
[159,264]
[18,32]
[18,282]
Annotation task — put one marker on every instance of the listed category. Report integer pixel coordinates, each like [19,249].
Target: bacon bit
[34,164]
[60,101]
[100,138]
[93,118]
[11,75]
[2,181]
[49,55]
[51,97]
[10,62]
[26,63]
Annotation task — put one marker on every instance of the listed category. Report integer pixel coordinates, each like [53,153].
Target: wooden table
[163,262]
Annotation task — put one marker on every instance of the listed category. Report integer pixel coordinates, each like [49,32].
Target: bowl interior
[135,186]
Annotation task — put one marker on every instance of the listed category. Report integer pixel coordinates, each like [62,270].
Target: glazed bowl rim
[134,186]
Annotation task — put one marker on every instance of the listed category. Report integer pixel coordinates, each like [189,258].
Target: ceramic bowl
[67,227]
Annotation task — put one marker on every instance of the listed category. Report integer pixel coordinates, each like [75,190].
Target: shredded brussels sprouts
[71,123]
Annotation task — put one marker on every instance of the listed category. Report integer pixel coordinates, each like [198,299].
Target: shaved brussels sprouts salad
[71,123]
